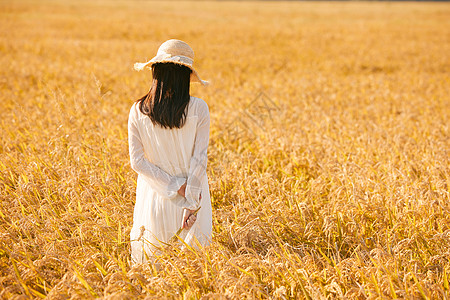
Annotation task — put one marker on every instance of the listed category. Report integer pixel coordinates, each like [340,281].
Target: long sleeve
[161,181]
[198,162]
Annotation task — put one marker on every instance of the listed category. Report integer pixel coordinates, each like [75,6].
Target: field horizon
[328,160]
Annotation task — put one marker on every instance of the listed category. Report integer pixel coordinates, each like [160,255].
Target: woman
[168,135]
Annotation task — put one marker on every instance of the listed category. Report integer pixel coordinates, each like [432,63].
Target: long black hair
[166,102]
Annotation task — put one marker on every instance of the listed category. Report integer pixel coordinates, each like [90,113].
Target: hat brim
[179,60]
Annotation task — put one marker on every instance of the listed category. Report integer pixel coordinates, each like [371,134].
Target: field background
[328,160]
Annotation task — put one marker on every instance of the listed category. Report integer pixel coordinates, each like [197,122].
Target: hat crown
[176,48]
[173,51]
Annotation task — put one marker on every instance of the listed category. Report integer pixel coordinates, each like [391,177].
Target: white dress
[165,159]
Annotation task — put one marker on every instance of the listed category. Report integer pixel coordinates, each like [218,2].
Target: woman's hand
[182,190]
[189,218]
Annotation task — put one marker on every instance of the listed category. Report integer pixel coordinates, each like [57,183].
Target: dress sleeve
[197,166]
[161,181]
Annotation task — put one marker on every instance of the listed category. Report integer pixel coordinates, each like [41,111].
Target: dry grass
[334,183]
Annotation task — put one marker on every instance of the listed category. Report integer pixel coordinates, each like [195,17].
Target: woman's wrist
[182,190]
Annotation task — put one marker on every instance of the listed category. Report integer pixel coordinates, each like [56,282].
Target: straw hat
[173,51]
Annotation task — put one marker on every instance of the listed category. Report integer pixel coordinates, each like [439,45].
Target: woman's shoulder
[199,105]
[133,109]
[135,112]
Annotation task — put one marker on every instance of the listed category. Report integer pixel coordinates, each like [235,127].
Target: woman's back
[170,149]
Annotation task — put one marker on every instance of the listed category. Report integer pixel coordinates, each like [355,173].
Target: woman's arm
[197,167]
[161,181]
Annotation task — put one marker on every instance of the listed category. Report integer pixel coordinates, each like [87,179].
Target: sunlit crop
[328,162]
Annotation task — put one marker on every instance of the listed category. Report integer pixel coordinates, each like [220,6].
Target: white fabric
[165,159]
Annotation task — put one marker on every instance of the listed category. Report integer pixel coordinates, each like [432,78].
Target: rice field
[328,160]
